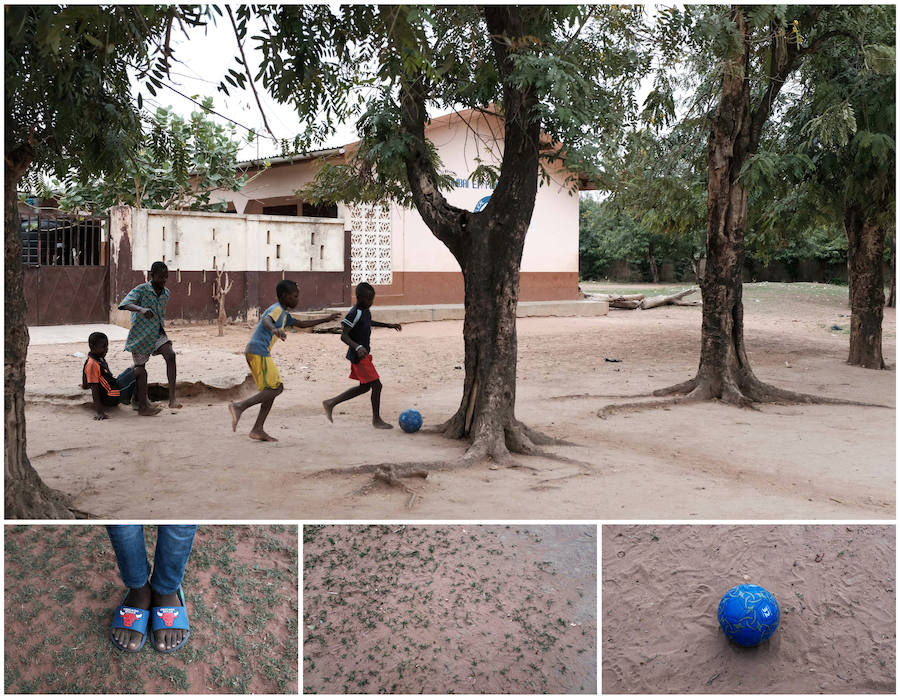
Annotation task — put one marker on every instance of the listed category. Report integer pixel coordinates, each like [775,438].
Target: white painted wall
[552,241]
[201,240]
[550,246]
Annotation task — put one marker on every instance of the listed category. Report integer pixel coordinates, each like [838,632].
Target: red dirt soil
[698,461]
[450,609]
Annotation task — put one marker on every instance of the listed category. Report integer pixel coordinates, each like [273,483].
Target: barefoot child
[262,366]
[147,304]
[357,333]
[106,390]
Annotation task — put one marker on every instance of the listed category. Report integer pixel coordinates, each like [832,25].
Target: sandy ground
[699,461]
[835,585]
[62,585]
[450,609]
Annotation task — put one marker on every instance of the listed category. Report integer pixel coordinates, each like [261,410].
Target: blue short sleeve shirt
[263,339]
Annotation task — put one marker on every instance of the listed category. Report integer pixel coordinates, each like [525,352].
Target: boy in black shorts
[106,390]
[357,332]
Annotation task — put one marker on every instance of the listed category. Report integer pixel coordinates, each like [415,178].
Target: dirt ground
[456,609]
[699,461]
[835,585]
[62,585]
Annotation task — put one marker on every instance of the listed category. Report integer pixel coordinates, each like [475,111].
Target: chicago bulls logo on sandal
[130,618]
[169,618]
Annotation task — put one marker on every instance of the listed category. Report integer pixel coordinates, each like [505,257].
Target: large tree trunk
[26,496]
[865,257]
[488,246]
[724,372]
[486,413]
[724,369]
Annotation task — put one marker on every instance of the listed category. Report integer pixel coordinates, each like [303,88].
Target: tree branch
[247,71]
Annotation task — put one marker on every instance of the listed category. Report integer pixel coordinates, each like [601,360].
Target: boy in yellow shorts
[258,353]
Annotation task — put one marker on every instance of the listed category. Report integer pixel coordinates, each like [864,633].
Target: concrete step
[456,312]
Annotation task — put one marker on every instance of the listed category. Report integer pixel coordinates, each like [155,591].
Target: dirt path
[704,461]
[835,585]
[450,609]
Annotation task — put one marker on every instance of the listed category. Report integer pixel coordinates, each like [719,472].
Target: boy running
[258,354]
[357,325]
[147,304]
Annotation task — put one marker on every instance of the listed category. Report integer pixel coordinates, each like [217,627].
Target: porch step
[456,312]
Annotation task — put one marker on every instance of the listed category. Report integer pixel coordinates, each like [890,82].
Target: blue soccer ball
[748,614]
[410,420]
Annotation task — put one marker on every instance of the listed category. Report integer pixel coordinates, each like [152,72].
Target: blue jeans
[126,382]
[173,547]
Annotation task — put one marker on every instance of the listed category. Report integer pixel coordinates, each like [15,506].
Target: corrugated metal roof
[296,158]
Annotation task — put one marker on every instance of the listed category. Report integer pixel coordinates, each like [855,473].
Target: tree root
[391,478]
[752,392]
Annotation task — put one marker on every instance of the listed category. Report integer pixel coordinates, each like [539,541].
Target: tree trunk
[488,247]
[486,413]
[865,254]
[724,367]
[26,495]
[892,297]
[654,268]
[724,372]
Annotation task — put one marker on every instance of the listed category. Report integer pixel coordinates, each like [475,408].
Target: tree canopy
[178,164]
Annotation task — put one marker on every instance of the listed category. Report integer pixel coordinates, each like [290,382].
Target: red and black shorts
[363,371]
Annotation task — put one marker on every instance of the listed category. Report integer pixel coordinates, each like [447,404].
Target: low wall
[256,252]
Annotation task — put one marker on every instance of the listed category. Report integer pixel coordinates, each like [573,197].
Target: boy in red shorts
[357,326]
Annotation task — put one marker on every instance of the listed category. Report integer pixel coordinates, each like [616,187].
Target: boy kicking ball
[357,332]
[258,353]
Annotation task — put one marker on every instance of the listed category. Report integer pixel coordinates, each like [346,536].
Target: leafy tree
[746,55]
[844,126]
[548,71]
[176,163]
[608,233]
[67,105]
[659,181]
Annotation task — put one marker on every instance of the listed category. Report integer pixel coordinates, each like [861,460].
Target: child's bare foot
[262,436]
[136,598]
[148,410]
[167,638]
[378,423]
[235,416]
[329,407]
[174,404]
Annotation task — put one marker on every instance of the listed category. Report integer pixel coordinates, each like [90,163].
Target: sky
[202,60]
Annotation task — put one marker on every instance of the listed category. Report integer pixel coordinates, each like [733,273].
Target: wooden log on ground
[674,299]
[624,303]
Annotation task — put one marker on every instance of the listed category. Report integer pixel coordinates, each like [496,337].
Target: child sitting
[106,390]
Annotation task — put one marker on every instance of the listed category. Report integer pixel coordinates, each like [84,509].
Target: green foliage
[67,90]
[608,234]
[354,62]
[842,121]
[178,163]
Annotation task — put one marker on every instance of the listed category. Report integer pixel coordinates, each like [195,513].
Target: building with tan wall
[393,249]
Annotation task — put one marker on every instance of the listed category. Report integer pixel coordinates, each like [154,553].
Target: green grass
[240,584]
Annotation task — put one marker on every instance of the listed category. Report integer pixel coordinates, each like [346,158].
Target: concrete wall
[255,251]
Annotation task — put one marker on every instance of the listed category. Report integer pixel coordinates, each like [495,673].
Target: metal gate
[66,272]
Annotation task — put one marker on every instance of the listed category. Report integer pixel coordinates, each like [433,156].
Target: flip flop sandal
[167,618]
[130,618]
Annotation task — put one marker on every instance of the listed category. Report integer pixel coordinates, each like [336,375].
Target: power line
[255,132]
